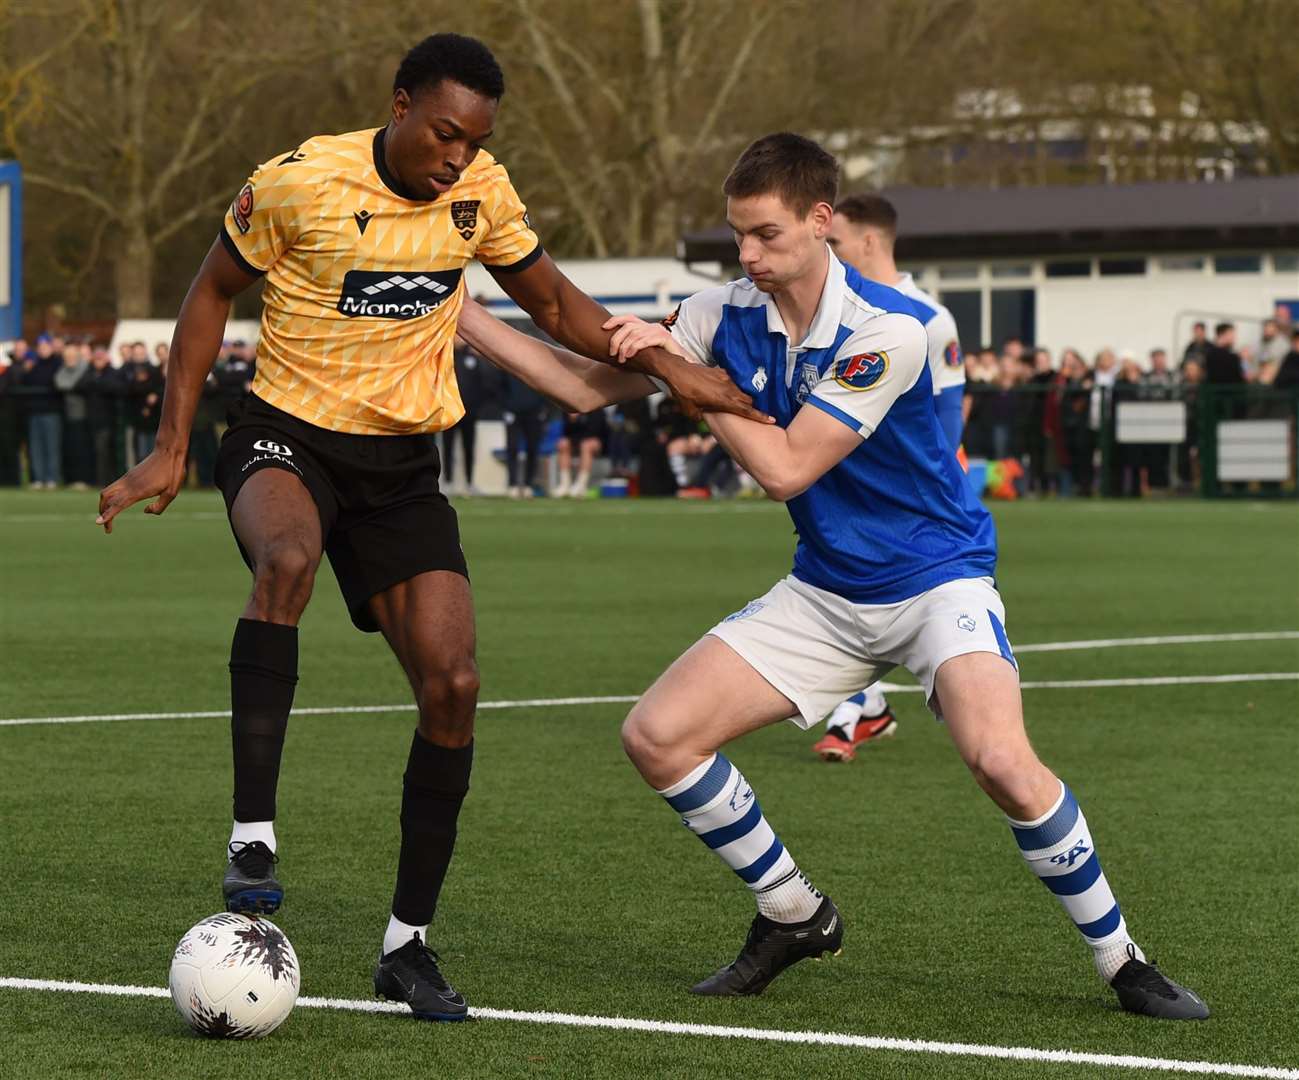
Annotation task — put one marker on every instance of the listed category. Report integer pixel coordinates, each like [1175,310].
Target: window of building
[1182,264]
[1286,263]
[1014,314]
[958,273]
[1069,268]
[1011,270]
[1125,266]
[1238,264]
[966,306]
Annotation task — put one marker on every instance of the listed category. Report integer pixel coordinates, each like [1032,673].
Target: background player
[863,233]
[362,239]
[893,566]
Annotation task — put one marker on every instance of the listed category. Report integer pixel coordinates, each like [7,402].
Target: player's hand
[631,334]
[700,389]
[697,389]
[160,474]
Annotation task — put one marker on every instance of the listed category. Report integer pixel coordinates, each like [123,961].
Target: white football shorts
[817,648]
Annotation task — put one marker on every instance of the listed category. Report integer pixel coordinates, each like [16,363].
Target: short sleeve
[267,215]
[694,324]
[510,243]
[871,370]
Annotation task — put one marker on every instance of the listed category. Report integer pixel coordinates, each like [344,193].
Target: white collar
[825,324]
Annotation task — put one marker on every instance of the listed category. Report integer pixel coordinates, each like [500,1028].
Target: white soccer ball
[234,977]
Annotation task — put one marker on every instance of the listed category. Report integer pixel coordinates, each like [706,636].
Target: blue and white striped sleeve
[871,370]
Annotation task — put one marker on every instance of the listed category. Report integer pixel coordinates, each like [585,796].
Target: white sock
[845,716]
[876,704]
[717,804]
[792,899]
[246,832]
[399,933]
[677,463]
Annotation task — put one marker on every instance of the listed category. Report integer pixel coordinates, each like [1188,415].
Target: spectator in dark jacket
[144,405]
[1287,376]
[103,385]
[44,415]
[1198,347]
[525,417]
[1222,365]
[472,376]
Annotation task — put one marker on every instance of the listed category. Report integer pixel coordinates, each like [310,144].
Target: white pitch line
[626,699]
[1179,639]
[670,1027]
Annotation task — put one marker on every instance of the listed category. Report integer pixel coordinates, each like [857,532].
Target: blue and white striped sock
[717,804]
[1058,846]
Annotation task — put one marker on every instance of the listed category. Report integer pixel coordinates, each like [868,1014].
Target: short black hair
[791,166]
[869,209]
[461,59]
[1222,328]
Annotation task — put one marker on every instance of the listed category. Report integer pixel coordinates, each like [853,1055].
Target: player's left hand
[631,334]
[697,389]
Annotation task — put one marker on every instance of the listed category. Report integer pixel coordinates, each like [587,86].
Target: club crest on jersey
[242,209]
[863,371]
[759,380]
[464,216]
[809,375]
[952,354]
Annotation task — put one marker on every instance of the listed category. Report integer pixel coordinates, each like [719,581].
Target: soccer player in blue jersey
[893,567]
[863,234]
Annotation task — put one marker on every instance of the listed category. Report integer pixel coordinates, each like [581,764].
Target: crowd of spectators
[79,419]
[1049,412]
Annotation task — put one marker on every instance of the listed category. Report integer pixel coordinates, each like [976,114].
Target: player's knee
[1009,776]
[283,579]
[447,696]
[645,741]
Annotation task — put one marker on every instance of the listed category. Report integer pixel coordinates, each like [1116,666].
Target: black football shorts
[382,516]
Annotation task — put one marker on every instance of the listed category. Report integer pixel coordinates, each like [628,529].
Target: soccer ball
[234,977]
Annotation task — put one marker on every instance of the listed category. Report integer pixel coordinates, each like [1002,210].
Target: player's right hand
[700,389]
[161,474]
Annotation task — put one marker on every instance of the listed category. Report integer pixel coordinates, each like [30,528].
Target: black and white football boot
[771,947]
[1142,988]
[250,886]
[411,975]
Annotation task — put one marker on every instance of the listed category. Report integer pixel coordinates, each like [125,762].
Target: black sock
[435,785]
[263,673]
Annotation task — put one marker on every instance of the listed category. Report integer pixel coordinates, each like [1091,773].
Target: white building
[1124,266]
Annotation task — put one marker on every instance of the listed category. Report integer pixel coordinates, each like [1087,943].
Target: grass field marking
[627,699]
[1177,639]
[669,1027]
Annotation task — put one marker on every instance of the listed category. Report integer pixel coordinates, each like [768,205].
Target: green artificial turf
[573,888]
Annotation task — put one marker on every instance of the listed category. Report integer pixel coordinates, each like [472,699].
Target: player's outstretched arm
[572,318]
[786,461]
[194,347]
[572,382]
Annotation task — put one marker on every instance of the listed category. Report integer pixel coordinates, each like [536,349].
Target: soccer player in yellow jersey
[362,241]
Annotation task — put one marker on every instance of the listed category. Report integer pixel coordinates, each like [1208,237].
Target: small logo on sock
[738,800]
[1069,856]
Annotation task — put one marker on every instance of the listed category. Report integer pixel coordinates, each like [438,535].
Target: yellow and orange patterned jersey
[363,286]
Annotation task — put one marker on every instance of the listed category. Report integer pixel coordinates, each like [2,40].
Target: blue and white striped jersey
[897,516]
[946,364]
